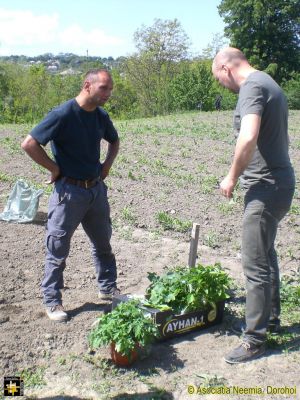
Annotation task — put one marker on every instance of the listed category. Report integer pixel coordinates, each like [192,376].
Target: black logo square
[13,386]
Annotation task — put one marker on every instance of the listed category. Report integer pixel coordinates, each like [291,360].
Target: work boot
[57,313]
[245,352]
[108,296]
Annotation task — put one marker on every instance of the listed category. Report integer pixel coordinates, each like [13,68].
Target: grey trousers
[70,205]
[265,206]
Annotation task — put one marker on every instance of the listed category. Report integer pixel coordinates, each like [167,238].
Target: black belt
[87,184]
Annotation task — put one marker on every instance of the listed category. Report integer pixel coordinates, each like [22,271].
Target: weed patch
[168,222]
[33,377]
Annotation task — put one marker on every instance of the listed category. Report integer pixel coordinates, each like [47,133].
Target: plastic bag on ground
[22,204]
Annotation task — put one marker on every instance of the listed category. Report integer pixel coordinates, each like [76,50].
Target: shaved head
[93,74]
[229,55]
[230,68]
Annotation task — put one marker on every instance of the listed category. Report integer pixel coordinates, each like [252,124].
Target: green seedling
[168,222]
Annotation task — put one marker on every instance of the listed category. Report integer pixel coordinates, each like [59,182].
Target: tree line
[162,77]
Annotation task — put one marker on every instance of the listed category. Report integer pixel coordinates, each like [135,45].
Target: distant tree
[192,86]
[267,31]
[123,102]
[160,48]
[218,41]
[165,40]
[292,91]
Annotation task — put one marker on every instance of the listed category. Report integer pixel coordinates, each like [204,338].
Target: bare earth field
[165,178]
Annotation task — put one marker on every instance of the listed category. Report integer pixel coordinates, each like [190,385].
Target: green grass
[225,208]
[6,178]
[211,240]
[168,222]
[209,183]
[33,377]
[128,215]
[11,144]
[199,125]
[290,299]
[209,380]
[294,210]
[286,341]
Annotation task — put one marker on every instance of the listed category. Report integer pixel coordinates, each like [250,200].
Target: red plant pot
[123,360]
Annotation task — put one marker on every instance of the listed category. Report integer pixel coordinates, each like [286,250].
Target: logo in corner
[13,386]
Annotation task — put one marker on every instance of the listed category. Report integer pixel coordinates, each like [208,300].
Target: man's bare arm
[38,154]
[112,151]
[244,150]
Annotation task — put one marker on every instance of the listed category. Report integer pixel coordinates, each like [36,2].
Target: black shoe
[245,352]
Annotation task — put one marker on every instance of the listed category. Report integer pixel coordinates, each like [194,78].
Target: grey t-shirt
[270,164]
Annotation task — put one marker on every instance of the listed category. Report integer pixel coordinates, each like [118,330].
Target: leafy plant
[211,240]
[168,222]
[295,209]
[208,380]
[186,289]
[286,340]
[128,215]
[33,377]
[209,183]
[290,293]
[126,326]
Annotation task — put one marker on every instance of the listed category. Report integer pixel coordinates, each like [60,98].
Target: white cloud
[95,37]
[96,40]
[23,32]
[24,28]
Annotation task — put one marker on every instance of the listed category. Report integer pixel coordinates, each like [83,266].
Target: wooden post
[194,245]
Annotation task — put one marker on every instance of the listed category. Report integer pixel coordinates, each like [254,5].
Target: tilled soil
[162,172]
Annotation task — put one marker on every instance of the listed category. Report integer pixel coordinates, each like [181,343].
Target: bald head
[231,67]
[230,55]
[93,75]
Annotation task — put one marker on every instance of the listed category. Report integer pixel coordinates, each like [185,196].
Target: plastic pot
[122,360]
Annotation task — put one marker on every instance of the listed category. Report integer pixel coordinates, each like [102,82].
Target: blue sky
[103,28]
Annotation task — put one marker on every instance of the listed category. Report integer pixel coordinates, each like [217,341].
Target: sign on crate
[172,325]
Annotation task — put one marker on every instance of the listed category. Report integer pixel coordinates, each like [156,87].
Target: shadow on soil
[153,395]
[86,307]
[162,355]
[40,218]
[61,398]
[144,396]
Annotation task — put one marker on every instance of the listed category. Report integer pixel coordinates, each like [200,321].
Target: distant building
[52,68]
[70,71]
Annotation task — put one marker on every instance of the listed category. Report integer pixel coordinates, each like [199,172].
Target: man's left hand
[227,186]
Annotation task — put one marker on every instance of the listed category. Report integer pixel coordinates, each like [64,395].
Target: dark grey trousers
[70,205]
[265,206]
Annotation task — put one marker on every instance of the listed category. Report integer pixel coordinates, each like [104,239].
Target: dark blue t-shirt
[75,136]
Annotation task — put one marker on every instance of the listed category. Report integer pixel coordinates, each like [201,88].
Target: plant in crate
[126,329]
[184,289]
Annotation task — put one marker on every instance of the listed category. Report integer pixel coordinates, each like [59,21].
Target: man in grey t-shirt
[262,163]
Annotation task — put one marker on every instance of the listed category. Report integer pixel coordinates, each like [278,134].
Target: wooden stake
[194,244]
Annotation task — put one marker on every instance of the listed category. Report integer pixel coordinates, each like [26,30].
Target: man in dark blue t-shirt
[75,130]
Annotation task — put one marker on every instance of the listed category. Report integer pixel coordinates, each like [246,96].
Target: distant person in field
[75,130]
[262,162]
[218,103]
